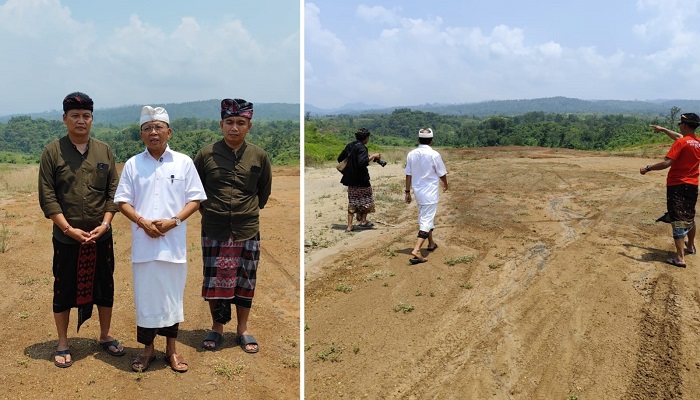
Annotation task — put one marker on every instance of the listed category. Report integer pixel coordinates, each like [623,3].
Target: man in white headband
[424,171]
[158,190]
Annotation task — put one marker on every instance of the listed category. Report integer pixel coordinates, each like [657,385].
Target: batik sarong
[230,270]
[83,276]
[680,202]
[360,200]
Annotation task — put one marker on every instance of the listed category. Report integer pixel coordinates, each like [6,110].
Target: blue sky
[147,52]
[394,53]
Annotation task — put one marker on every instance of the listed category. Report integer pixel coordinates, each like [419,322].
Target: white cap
[425,135]
[149,114]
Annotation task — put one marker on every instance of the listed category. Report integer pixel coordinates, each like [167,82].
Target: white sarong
[159,289]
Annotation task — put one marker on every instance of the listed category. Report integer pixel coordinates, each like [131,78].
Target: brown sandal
[142,362]
[177,363]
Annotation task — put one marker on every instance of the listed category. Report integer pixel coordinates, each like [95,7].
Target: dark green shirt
[81,186]
[237,187]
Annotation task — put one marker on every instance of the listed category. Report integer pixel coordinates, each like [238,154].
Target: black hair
[362,134]
[425,140]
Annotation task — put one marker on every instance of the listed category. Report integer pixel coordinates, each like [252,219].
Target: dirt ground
[28,336]
[550,282]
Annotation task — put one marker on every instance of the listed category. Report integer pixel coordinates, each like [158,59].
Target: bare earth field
[550,282]
[28,335]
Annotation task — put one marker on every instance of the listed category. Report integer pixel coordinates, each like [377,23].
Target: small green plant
[28,280]
[308,346]
[228,370]
[418,293]
[306,327]
[343,288]
[378,275]
[466,285]
[459,260]
[23,362]
[4,238]
[406,308]
[356,348]
[331,354]
[494,266]
[291,362]
[572,397]
[24,315]
[290,341]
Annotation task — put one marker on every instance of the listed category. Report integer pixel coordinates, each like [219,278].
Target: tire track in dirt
[658,371]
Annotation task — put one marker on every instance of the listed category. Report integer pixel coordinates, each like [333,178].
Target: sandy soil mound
[550,282]
[28,336]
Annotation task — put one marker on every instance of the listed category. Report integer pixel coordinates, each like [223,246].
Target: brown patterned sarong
[83,276]
[360,200]
[680,202]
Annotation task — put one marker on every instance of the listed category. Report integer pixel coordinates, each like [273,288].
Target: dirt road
[550,282]
[28,336]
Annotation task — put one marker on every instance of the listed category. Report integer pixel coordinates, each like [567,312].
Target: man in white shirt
[424,171]
[158,190]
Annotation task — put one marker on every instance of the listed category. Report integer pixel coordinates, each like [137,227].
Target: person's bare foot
[247,342]
[418,256]
[213,344]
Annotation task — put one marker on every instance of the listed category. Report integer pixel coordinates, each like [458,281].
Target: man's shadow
[650,255]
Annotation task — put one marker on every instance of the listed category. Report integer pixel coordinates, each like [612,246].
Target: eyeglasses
[158,128]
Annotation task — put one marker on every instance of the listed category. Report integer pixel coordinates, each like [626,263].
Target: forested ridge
[23,138]
[325,136]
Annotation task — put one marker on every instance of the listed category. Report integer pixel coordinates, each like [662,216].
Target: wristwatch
[107,224]
[177,221]
[648,169]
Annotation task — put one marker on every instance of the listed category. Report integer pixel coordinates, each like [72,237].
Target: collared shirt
[425,167]
[237,185]
[81,186]
[159,189]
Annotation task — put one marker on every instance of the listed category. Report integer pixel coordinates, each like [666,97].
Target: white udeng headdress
[149,114]
[425,135]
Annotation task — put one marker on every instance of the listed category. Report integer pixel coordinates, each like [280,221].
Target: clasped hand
[86,237]
[157,227]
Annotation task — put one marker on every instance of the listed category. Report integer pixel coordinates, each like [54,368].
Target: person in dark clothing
[356,178]
[77,181]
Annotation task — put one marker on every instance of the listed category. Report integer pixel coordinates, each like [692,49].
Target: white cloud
[377,13]
[137,61]
[411,58]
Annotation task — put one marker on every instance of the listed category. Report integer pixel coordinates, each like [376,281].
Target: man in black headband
[681,184]
[237,178]
[77,182]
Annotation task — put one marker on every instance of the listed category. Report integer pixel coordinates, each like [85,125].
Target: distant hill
[559,105]
[202,110]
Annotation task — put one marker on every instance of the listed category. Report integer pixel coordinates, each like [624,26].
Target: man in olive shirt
[237,178]
[77,182]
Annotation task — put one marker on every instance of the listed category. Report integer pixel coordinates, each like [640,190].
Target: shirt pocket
[251,179]
[176,185]
[97,180]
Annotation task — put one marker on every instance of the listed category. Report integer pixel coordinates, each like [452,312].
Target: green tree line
[325,137]
[22,138]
